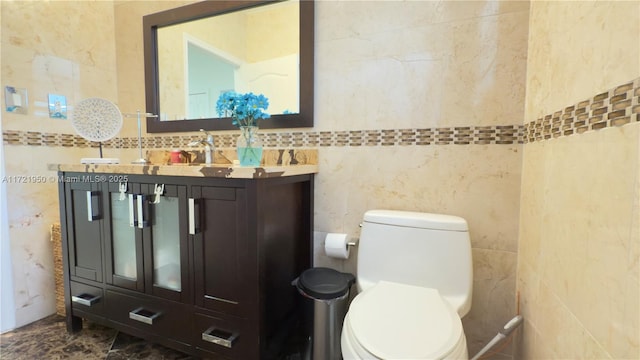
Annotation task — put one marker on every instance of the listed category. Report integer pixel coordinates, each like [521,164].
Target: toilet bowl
[398,321]
[415,282]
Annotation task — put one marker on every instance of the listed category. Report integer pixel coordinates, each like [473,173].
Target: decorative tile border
[617,107]
[464,135]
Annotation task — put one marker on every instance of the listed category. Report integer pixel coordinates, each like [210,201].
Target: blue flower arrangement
[244,109]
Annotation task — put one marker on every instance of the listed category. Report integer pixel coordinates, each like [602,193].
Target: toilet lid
[398,321]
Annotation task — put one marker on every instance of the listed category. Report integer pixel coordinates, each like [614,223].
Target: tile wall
[419,106]
[46,48]
[579,248]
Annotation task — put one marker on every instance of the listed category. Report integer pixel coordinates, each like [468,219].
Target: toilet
[414,281]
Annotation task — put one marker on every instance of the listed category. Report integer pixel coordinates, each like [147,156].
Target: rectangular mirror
[196,52]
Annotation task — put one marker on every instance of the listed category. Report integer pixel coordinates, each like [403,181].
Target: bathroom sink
[188,158]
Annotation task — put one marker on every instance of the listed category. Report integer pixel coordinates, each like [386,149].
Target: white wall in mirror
[236,43]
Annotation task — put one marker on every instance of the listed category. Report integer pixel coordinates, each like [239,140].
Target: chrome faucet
[209,146]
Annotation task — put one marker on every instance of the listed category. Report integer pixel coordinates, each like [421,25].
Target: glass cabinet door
[123,238]
[124,245]
[147,233]
[166,244]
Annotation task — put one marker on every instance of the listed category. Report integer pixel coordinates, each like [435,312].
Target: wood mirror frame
[204,9]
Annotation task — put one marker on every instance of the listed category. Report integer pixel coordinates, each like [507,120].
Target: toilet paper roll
[335,246]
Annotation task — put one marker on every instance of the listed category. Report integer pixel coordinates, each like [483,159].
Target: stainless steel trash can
[327,293]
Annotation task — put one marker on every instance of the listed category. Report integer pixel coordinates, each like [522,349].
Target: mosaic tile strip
[468,135]
[617,107]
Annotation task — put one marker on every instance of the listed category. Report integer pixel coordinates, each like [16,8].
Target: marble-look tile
[19,69]
[39,55]
[270,157]
[96,82]
[578,254]
[407,14]
[534,178]
[530,346]
[478,64]
[631,310]
[35,188]
[527,287]
[48,339]
[562,332]
[34,25]
[211,170]
[478,183]
[485,70]
[579,237]
[562,51]
[127,347]
[588,234]
[470,70]
[493,301]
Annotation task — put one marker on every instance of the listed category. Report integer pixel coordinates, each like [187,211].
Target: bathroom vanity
[196,258]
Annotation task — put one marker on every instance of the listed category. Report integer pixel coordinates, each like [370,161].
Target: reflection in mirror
[260,46]
[256,50]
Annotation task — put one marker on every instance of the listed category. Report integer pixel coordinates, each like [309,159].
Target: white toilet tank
[422,249]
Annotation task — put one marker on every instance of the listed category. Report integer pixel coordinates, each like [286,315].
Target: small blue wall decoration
[57,106]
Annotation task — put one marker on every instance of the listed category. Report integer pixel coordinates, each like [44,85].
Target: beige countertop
[275,163]
[194,170]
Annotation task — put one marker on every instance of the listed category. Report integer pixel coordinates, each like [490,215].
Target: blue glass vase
[249,146]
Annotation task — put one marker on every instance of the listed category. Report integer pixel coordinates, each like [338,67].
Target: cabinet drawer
[226,336]
[89,299]
[157,316]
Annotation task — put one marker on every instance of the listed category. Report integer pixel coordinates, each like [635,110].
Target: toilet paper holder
[338,245]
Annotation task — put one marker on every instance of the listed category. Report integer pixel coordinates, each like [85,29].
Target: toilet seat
[398,321]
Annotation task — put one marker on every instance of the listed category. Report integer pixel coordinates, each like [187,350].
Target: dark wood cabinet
[206,267]
[223,259]
[83,218]
[146,238]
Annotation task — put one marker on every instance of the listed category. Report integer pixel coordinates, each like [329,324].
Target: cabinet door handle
[219,337]
[142,211]
[194,216]
[92,214]
[143,315]
[132,211]
[85,299]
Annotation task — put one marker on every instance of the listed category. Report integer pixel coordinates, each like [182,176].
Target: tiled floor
[47,339]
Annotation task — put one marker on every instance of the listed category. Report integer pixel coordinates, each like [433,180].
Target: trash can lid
[324,283]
